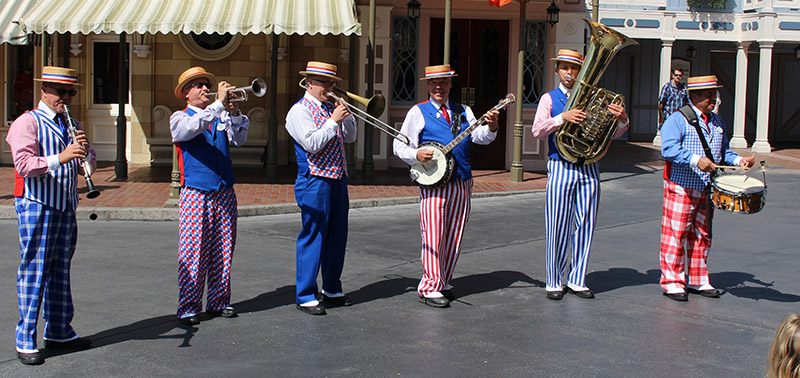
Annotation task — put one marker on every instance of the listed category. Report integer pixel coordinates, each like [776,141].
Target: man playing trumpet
[46,164]
[208,215]
[320,129]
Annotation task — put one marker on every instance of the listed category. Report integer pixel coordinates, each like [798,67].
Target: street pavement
[125,290]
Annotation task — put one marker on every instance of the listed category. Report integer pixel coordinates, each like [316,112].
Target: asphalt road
[125,290]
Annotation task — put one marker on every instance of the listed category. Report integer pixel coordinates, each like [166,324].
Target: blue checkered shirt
[680,145]
[673,98]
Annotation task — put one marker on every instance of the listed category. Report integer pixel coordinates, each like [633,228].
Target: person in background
[673,95]
[784,354]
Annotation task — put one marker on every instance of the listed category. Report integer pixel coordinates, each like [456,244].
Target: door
[103,96]
[479,55]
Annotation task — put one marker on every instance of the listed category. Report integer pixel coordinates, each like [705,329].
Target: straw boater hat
[59,75]
[320,69]
[438,72]
[702,82]
[189,75]
[569,56]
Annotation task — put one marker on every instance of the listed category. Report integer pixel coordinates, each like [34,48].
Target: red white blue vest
[56,189]
[328,162]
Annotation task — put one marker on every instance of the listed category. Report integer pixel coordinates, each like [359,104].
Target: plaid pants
[207,240]
[685,233]
[443,214]
[47,239]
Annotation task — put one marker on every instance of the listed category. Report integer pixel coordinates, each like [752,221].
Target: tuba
[588,141]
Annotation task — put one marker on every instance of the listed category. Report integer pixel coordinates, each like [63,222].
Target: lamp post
[413,9]
[552,13]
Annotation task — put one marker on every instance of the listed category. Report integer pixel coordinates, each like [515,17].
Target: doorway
[479,55]
[103,96]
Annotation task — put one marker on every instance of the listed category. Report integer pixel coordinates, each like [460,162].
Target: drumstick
[731,167]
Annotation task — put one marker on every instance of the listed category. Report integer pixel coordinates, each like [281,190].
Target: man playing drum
[686,220]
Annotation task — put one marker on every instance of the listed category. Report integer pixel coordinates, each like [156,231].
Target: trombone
[375,107]
[258,87]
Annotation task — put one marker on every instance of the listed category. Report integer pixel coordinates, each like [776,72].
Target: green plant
[706,4]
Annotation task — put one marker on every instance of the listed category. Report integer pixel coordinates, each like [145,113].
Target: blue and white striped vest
[55,189]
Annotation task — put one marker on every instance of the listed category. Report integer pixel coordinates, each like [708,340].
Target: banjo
[435,173]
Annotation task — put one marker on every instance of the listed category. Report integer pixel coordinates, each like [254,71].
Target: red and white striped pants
[443,213]
[685,232]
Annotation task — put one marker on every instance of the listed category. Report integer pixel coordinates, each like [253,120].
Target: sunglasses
[62,91]
[677,75]
[325,83]
[199,85]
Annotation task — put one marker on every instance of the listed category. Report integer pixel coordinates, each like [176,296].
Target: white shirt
[415,122]
[301,126]
[185,127]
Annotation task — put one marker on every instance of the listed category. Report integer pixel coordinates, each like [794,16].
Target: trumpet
[87,167]
[375,107]
[258,87]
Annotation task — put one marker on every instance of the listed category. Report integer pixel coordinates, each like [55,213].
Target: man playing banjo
[444,210]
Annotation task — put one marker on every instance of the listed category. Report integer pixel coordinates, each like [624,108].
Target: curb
[171,213]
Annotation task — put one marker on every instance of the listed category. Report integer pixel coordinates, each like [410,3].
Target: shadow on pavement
[736,283]
[486,282]
[147,329]
[616,278]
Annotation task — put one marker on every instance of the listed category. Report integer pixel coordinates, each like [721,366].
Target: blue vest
[205,159]
[55,189]
[438,130]
[559,101]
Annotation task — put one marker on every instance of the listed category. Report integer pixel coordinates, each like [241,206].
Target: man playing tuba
[573,191]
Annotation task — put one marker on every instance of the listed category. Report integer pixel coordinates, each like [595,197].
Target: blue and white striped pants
[570,215]
[47,239]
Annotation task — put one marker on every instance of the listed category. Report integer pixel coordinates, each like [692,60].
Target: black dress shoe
[312,310]
[680,297]
[330,302]
[79,343]
[191,320]
[555,295]
[440,302]
[227,312]
[33,358]
[585,294]
[449,294]
[710,293]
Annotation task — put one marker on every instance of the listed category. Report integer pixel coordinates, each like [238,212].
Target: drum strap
[691,117]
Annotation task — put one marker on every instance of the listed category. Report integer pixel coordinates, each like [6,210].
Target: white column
[761,144]
[740,102]
[663,77]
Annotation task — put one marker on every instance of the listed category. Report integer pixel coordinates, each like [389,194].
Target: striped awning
[185,16]
[11,10]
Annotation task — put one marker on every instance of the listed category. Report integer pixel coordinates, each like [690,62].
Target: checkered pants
[207,240]
[443,214]
[685,232]
[47,239]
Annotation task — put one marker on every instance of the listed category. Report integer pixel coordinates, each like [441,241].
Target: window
[210,46]
[19,95]
[404,61]
[535,62]
[106,83]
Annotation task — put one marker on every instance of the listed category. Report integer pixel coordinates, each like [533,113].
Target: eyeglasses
[325,83]
[677,75]
[198,85]
[62,91]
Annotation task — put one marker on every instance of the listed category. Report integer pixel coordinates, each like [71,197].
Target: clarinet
[87,167]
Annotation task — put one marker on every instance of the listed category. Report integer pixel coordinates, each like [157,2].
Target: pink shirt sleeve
[543,123]
[22,137]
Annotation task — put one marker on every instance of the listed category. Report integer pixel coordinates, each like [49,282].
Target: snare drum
[738,194]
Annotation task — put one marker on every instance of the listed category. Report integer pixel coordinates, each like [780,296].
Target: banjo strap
[455,128]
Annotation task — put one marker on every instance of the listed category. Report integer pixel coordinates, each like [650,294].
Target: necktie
[61,122]
[328,106]
[446,115]
[705,120]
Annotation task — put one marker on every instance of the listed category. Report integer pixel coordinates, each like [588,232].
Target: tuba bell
[587,142]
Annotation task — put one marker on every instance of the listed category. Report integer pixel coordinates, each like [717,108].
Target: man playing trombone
[320,129]
[46,164]
[208,215]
